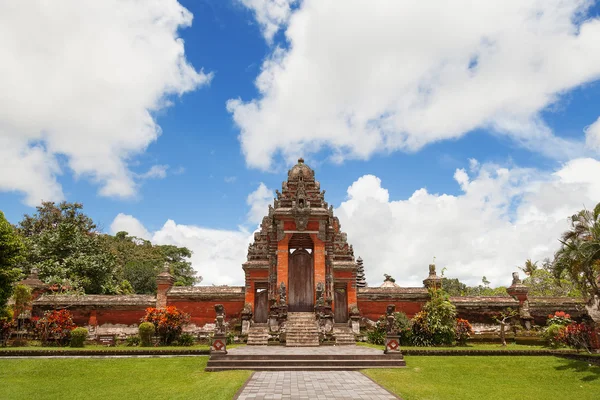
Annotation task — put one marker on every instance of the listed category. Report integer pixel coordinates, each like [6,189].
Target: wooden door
[340,299]
[300,281]
[260,306]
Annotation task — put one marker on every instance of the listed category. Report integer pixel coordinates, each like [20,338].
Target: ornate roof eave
[287,211]
[255,264]
[343,265]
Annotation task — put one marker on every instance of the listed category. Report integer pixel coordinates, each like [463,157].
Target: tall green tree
[579,254]
[11,256]
[64,244]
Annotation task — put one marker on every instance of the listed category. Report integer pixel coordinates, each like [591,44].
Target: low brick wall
[200,301]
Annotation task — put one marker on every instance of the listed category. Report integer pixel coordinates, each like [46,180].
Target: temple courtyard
[184,377]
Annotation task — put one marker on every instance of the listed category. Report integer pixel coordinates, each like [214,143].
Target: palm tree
[579,255]
[530,267]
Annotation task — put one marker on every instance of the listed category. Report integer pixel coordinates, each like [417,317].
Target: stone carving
[515,278]
[432,269]
[282,294]
[320,294]
[220,320]
[388,278]
[360,274]
[390,310]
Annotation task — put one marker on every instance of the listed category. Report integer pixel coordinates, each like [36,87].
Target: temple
[303,286]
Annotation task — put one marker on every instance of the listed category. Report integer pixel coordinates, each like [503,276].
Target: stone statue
[432,269]
[220,320]
[282,294]
[320,294]
[390,310]
[516,280]
[388,278]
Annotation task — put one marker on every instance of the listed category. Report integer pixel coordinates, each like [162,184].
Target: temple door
[260,306]
[340,298]
[300,281]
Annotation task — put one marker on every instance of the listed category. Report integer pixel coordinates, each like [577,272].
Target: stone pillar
[283,254]
[519,292]
[218,344]
[319,261]
[164,283]
[433,281]
[246,317]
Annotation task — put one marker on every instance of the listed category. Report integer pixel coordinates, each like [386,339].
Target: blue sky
[372,102]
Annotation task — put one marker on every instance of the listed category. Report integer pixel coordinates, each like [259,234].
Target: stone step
[313,357]
[245,364]
[258,335]
[303,362]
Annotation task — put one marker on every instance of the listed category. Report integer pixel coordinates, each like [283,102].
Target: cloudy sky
[464,130]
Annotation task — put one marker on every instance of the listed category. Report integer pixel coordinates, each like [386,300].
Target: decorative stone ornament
[219,342]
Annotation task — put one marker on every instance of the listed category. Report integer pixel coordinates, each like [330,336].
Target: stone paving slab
[318,385]
[292,351]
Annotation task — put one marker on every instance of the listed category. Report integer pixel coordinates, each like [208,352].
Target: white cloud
[270,14]
[395,75]
[155,172]
[592,136]
[131,225]
[80,81]
[259,201]
[230,179]
[502,217]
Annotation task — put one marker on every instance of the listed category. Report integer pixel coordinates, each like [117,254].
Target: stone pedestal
[245,326]
[218,344]
[392,344]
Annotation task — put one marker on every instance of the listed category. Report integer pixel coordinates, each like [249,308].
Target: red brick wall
[374,309]
[203,311]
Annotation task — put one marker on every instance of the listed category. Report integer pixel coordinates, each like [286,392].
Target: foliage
[139,261]
[463,331]
[55,325]
[168,322]
[579,255]
[403,327]
[435,324]
[78,337]
[577,336]
[146,331]
[186,339]
[542,282]
[11,255]
[421,332]
[502,318]
[6,326]
[530,267]
[552,335]
[63,243]
[22,302]
[134,340]
[559,318]
[454,287]
[376,334]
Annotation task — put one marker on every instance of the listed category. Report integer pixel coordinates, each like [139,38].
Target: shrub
[78,336]
[146,331]
[435,325]
[463,331]
[55,326]
[376,335]
[577,336]
[168,322]
[559,318]
[133,340]
[403,327]
[552,335]
[186,339]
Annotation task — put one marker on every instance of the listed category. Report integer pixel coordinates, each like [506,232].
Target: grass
[475,346]
[96,347]
[128,378]
[490,378]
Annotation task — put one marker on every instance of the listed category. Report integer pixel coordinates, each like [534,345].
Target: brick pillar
[283,254]
[319,261]
[164,283]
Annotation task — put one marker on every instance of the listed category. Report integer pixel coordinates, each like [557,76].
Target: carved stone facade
[300,218]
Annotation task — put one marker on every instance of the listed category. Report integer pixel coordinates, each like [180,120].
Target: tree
[11,255]
[64,244]
[502,318]
[542,282]
[529,267]
[579,254]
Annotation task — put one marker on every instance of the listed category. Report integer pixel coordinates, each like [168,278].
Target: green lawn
[129,378]
[118,348]
[490,378]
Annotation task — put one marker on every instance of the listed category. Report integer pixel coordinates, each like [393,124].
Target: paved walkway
[312,385]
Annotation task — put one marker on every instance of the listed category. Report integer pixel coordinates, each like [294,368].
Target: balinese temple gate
[300,261]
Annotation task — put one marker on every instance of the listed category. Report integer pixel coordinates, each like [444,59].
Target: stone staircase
[304,362]
[301,330]
[258,335]
[343,334]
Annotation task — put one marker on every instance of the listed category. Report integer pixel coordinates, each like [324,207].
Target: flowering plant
[464,330]
[559,318]
[168,322]
[56,326]
[578,336]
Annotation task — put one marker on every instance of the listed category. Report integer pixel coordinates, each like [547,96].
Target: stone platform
[322,358]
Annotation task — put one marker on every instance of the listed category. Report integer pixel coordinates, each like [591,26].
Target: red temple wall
[373,309]
[203,311]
